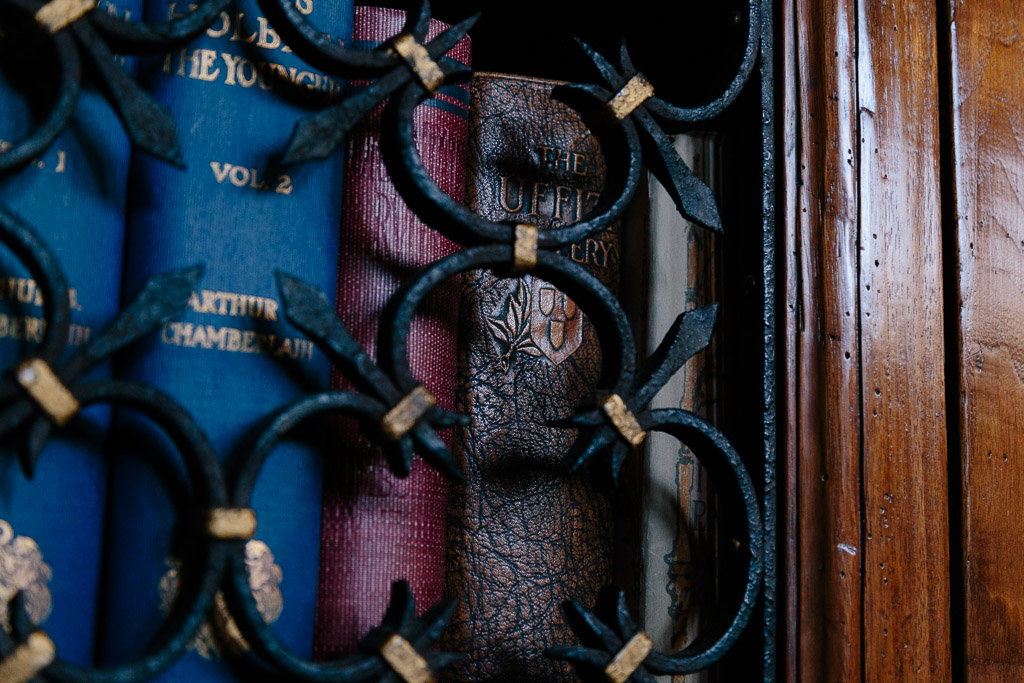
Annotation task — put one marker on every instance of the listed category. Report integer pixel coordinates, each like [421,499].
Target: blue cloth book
[235,94]
[73,195]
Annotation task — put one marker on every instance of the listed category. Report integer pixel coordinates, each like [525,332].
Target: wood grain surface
[988,168]
[789,359]
[906,544]
[828,381]
[866,357]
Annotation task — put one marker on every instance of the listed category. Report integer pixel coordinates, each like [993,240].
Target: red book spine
[376,528]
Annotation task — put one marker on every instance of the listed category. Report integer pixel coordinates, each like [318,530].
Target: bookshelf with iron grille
[630,116]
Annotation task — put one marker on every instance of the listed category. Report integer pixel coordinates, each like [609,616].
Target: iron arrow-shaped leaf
[149,126]
[690,333]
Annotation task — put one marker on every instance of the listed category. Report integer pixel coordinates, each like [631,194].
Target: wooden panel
[906,551]
[827,389]
[988,117]
[789,366]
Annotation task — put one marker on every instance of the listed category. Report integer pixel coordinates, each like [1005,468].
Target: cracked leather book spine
[377,528]
[229,359]
[73,195]
[523,536]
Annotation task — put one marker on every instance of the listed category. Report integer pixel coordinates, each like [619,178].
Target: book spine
[375,527]
[230,359]
[678,547]
[74,196]
[523,537]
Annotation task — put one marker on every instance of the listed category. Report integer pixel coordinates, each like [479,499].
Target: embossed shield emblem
[556,324]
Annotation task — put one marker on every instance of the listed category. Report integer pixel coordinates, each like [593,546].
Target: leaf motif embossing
[498,329]
[512,331]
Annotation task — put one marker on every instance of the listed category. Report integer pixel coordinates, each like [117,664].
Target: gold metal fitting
[615,408]
[27,660]
[418,59]
[231,524]
[406,412]
[524,250]
[57,15]
[636,91]
[46,389]
[405,661]
[629,658]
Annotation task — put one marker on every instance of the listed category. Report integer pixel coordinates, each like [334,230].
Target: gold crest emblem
[22,569]
[211,639]
[556,324]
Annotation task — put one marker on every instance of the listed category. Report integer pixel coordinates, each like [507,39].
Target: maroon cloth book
[376,528]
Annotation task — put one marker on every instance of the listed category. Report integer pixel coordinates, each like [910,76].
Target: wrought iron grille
[39,394]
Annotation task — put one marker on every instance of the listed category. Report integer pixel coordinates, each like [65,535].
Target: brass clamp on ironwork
[416,56]
[629,658]
[403,643]
[45,391]
[231,524]
[616,423]
[626,100]
[405,661]
[407,412]
[406,59]
[41,383]
[618,348]
[635,92]
[524,249]
[57,15]
[611,646]
[403,410]
[432,205]
[623,420]
[28,659]
[77,33]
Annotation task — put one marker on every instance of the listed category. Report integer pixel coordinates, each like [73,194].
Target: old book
[671,554]
[74,196]
[523,537]
[377,528]
[230,359]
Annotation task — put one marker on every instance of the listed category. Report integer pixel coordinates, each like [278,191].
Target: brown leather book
[522,536]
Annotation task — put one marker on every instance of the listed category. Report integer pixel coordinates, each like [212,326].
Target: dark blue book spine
[230,359]
[74,195]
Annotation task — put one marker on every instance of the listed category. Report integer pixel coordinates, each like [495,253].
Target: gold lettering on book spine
[57,15]
[636,91]
[629,658]
[418,59]
[524,251]
[231,524]
[46,389]
[406,412]
[27,660]
[405,661]
[625,422]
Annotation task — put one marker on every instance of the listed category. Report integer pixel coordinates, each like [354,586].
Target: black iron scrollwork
[396,411]
[308,309]
[33,413]
[402,639]
[606,632]
[318,136]
[76,28]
